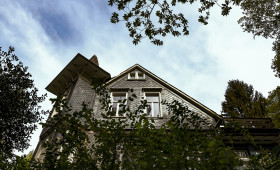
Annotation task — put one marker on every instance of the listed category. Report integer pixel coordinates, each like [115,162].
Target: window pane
[121,113]
[152,98]
[132,75]
[140,75]
[149,109]
[156,109]
[119,97]
[114,108]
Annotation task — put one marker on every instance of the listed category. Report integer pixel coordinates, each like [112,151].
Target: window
[132,76]
[117,101]
[136,75]
[241,153]
[153,102]
[141,75]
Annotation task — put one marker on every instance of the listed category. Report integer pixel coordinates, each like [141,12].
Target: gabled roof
[78,66]
[169,86]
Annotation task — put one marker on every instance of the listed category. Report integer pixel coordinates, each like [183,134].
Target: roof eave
[79,66]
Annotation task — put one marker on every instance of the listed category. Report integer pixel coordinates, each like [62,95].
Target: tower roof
[78,66]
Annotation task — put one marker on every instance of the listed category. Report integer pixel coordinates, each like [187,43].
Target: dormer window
[136,75]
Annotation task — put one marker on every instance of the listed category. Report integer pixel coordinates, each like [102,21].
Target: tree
[84,141]
[273,106]
[155,18]
[241,101]
[267,159]
[17,162]
[139,17]
[19,110]
[79,139]
[22,162]
[262,18]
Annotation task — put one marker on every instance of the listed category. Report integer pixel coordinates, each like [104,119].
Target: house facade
[74,83]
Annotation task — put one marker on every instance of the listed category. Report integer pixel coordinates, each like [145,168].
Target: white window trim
[240,152]
[160,109]
[129,77]
[136,75]
[112,100]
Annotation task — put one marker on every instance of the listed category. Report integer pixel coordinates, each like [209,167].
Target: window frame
[136,75]
[112,102]
[139,72]
[159,103]
[239,153]
[132,77]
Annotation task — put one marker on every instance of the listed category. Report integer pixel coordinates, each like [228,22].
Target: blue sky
[48,34]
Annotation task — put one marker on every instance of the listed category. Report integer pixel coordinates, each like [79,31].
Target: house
[74,81]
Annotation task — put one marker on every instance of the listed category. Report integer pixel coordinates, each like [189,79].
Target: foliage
[17,162]
[155,18]
[266,159]
[84,139]
[276,60]
[273,106]
[241,101]
[23,162]
[69,140]
[262,18]
[19,101]
[141,16]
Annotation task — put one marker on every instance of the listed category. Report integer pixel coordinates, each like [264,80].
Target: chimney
[94,60]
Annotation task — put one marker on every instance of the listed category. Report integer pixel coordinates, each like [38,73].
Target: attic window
[132,76]
[140,75]
[136,75]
